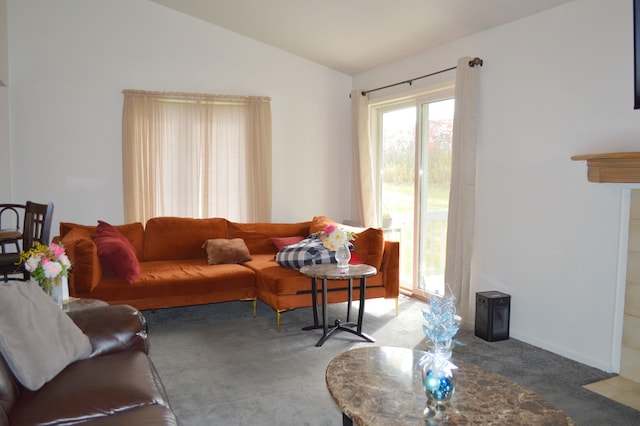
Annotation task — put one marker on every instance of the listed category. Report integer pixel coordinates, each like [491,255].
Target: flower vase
[65,290]
[53,287]
[439,379]
[343,256]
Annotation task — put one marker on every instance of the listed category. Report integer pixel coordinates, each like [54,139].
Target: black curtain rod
[472,63]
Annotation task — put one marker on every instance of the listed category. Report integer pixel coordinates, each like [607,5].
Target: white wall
[70,60]
[553,85]
[4,45]
[5,153]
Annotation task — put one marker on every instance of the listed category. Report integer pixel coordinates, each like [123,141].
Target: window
[196,156]
[413,135]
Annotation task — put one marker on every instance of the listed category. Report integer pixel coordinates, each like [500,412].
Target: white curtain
[463,187]
[363,161]
[193,155]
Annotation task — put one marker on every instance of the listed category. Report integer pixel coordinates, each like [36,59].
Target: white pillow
[37,339]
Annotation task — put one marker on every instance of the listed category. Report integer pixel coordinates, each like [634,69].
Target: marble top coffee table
[331,271]
[383,386]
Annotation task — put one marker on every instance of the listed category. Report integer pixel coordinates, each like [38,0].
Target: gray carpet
[221,366]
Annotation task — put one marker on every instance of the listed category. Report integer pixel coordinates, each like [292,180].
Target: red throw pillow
[355,259]
[282,242]
[117,254]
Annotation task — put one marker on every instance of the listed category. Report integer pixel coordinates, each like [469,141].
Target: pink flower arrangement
[333,237]
[46,262]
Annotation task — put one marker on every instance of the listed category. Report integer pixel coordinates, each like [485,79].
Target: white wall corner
[621,280]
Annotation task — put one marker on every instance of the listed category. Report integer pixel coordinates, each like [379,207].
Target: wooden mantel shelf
[613,167]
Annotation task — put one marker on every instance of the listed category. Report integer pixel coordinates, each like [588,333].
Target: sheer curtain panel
[193,155]
[463,187]
[363,161]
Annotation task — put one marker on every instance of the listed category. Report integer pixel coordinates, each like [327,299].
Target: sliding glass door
[414,141]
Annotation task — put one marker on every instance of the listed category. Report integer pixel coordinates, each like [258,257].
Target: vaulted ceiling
[353,36]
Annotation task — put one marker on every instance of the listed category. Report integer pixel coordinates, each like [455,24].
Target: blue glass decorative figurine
[438,372]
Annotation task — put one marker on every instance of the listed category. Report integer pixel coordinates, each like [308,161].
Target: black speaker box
[492,315]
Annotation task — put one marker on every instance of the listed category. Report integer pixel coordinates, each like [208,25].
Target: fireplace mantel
[612,167]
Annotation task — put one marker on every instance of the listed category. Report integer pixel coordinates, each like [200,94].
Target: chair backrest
[37,224]
[10,216]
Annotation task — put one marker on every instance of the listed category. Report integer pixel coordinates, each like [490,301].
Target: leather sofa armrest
[390,268]
[113,328]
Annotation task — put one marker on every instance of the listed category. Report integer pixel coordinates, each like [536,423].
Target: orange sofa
[173,267]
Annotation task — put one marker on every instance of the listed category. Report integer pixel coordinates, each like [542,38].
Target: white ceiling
[353,36]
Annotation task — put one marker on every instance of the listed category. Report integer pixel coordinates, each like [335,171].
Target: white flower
[52,269]
[338,237]
[32,263]
[64,260]
[333,237]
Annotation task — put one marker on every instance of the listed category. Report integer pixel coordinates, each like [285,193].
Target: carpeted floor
[221,366]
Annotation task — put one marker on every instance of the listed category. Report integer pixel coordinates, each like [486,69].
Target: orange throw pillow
[369,247]
[318,223]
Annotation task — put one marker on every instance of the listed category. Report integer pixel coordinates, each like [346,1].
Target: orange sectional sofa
[173,267]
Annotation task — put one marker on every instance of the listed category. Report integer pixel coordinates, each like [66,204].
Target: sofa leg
[255,305]
[279,316]
[397,307]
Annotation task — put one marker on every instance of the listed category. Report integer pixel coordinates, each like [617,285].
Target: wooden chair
[37,223]
[36,227]
[10,221]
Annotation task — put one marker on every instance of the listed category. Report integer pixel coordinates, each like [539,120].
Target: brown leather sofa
[174,270]
[117,385]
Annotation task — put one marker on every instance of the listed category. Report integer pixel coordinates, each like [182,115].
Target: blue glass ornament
[439,378]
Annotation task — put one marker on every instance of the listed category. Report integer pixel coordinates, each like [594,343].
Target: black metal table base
[338,324]
[346,421]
